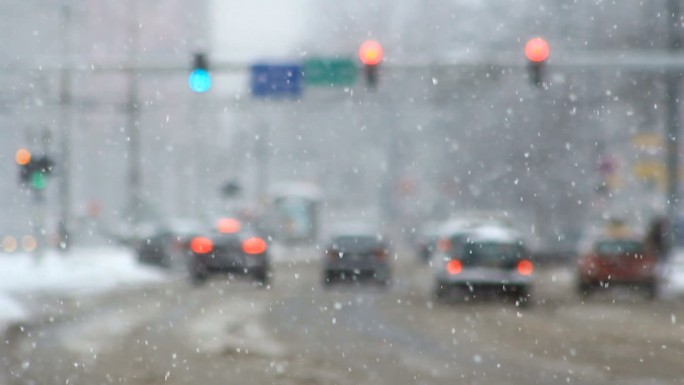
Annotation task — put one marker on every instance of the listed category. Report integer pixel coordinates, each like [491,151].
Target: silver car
[357,256]
[483,260]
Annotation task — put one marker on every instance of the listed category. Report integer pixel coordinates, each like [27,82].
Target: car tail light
[525,267]
[444,244]
[254,245]
[454,267]
[201,245]
[228,225]
[381,254]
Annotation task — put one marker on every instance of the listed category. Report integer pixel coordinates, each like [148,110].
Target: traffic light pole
[65,122]
[133,119]
[672,80]
[39,222]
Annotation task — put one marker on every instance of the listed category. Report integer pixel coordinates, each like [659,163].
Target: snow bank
[81,271]
[11,311]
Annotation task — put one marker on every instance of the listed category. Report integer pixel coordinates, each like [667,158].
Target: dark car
[484,260]
[617,261]
[166,246]
[357,255]
[230,250]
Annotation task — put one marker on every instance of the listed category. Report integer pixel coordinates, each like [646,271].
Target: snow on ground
[80,272]
[233,327]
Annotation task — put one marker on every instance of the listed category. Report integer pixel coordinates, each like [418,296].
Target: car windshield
[352,243]
[492,252]
[618,247]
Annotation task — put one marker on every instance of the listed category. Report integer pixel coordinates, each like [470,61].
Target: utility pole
[65,122]
[262,153]
[672,80]
[133,116]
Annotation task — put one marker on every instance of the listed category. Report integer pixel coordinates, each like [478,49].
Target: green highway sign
[329,72]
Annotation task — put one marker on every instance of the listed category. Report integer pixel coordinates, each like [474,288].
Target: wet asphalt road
[296,332]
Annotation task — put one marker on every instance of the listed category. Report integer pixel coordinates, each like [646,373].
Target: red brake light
[254,245]
[201,245]
[444,244]
[454,267]
[525,267]
[381,253]
[228,225]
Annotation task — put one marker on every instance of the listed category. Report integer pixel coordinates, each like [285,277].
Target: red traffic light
[537,50]
[370,53]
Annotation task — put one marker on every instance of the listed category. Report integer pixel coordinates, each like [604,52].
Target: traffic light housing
[370,54]
[199,79]
[537,52]
[33,170]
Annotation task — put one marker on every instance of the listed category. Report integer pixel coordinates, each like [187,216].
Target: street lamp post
[672,111]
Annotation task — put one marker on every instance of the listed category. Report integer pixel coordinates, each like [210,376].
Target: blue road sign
[276,80]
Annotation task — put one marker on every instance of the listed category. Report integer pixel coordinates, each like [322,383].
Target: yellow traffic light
[22,157]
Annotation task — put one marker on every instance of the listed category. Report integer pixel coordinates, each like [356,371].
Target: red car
[617,262]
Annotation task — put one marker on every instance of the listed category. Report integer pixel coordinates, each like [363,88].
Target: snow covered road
[231,331]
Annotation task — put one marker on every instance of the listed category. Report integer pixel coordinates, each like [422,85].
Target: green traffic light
[38,180]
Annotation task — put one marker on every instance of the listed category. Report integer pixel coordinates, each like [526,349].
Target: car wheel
[328,278]
[523,298]
[262,278]
[439,291]
[143,259]
[585,289]
[651,290]
[198,275]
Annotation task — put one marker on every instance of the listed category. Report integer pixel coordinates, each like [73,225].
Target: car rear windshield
[353,243]
[617,247]
[492,252]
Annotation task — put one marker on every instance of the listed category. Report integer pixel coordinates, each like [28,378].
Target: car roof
[354,228]
[455,226]
[623,238]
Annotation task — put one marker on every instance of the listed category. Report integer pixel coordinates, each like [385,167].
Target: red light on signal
[22,157]
[525,267]
[370,53]
[228,225]
[254,245]
[454,267]
[537,50]
[201,245]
